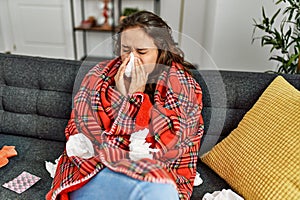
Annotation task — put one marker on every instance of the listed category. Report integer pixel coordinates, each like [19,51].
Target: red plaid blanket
[108,119]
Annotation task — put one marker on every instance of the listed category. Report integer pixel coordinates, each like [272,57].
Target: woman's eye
[142,52]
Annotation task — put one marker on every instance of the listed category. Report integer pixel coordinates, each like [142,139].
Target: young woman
[139,130]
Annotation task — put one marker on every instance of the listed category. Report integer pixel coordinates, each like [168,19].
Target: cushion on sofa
[260,159]
[36,95]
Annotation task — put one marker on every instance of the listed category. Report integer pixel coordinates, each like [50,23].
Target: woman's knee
[155,191]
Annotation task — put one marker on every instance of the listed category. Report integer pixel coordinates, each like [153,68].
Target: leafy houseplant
[286,39]
[128,11]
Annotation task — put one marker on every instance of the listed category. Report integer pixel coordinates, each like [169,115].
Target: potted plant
[285,40]
[128,11]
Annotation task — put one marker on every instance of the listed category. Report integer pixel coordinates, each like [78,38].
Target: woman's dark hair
[161,33]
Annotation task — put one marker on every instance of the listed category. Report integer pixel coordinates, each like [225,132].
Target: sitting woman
[136,124]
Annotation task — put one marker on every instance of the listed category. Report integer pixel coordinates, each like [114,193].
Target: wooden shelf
[95,28]
[104,28]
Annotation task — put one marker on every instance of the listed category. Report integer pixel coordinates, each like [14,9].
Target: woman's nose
[136,55]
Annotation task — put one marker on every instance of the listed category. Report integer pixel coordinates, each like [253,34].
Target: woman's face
[135,40]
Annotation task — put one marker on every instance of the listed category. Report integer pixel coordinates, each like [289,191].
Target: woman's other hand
[139,77]
[119,77]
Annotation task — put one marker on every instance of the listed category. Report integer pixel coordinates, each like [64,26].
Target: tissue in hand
[79,145]
[129,65]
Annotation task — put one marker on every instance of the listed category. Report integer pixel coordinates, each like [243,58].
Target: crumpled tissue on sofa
[225,194]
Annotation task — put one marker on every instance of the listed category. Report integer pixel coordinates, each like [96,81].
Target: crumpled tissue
[198,180]
[51,167]
[77,145]
[138,146]
[80,145]
[225,194]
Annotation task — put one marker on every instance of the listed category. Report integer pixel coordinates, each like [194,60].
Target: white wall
[226,32]
[231,38]
[223,28]
[6,41]
[2,46]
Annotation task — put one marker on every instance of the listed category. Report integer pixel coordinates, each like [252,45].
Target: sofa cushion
[36,95]
[32,154]
[32,125]
[260,159]
[227,96]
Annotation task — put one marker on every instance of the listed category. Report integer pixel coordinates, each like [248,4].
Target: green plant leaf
[292,59]
[278,2]
[285,38]
[275,15]
[260,26]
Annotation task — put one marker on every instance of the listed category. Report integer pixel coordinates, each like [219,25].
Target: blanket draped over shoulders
[173,122]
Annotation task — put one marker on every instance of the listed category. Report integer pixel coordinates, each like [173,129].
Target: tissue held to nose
[129,65]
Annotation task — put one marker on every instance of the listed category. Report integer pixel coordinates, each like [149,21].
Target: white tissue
[129,65]
[79,145]
[51,167]
[198,180]
[222,195]
[138,146]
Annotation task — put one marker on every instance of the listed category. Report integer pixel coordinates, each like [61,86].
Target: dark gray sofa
[35,104]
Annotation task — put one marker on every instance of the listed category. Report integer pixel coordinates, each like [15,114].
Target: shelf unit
[115,3]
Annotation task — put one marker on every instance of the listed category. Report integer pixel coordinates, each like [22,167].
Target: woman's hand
[119,77]
[139,77]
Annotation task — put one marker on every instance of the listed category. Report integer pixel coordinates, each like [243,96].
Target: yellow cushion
[260,159]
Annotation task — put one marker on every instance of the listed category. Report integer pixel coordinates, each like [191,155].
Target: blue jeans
[110,185]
